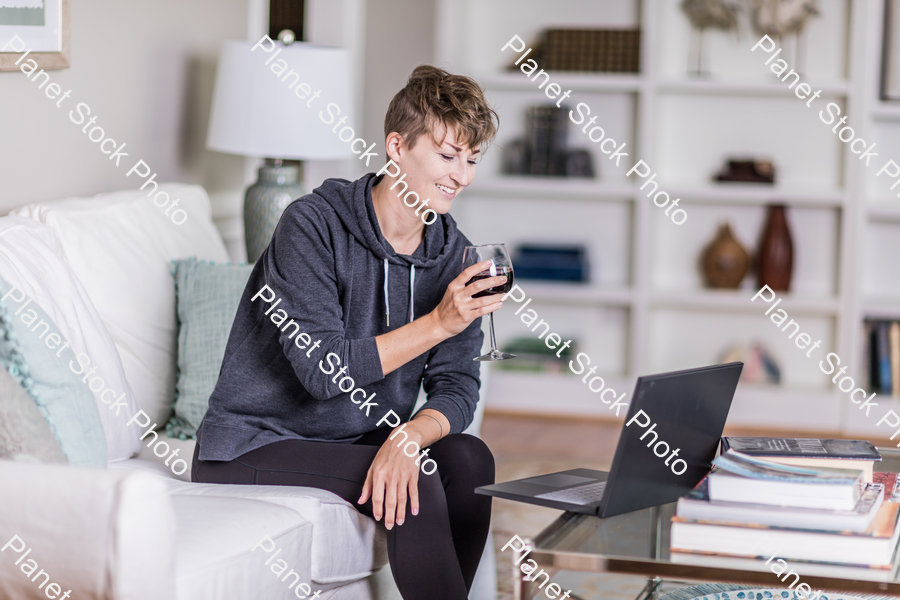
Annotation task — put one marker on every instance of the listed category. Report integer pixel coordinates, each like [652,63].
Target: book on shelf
[533,354]
[552,262]
[894,338]
[737,477]
[809,452]
[595,50]
[884,356]
[697,506]
[545,139]
[873,548]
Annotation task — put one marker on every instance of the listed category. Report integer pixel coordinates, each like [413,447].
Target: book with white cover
[873,548]
[697,506]
[737,477]
[805,568]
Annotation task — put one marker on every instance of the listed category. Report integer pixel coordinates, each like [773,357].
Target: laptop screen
[670,436]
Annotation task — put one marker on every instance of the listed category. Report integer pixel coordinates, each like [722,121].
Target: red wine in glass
[500,289]
[500,265]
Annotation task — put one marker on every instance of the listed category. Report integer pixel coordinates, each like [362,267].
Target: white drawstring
[387,302]
[412,292]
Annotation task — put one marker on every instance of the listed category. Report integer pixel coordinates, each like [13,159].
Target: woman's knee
[464,452]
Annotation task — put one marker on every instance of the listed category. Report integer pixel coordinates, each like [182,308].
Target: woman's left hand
[392,478]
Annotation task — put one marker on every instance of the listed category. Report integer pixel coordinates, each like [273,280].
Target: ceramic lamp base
[264,202]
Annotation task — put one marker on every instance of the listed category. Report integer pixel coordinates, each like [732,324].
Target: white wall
[146,69]
[399,37]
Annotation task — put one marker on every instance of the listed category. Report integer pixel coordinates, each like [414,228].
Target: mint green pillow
[65,401]
[208,296]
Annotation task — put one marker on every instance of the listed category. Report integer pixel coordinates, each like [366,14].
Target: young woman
[355,291]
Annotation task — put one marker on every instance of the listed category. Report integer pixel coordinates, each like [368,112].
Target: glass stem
[494,349]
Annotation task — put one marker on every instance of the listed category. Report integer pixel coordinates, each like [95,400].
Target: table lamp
[265,105]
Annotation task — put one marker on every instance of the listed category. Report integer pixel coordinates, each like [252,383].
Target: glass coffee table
[637,544]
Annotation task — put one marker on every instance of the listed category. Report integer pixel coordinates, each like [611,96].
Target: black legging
[433,555]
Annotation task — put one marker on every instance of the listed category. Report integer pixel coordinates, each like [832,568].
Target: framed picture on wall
[890,54]
[41,26]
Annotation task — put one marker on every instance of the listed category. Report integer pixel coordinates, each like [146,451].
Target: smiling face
[435,171]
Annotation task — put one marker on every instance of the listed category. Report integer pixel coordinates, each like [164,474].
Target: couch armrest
[100,534]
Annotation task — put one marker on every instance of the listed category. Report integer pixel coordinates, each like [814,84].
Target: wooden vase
[725,262]
[776,251]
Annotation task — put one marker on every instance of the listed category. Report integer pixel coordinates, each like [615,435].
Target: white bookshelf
[646,309]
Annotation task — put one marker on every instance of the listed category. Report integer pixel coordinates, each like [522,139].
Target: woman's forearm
[398,347]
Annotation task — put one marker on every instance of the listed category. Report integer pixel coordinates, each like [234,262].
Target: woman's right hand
[458,308]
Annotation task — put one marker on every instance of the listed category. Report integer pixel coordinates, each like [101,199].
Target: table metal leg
[522,590]
[651,590]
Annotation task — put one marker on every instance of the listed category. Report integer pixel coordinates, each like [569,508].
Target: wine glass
[500,265]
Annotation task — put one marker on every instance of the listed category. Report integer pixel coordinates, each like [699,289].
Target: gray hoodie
[330,270]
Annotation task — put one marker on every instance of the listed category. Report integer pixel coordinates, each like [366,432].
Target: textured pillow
[67,403]
[208,298]
[119,245]
[30,260]
[24,432]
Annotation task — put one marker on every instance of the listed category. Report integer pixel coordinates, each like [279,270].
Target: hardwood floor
[514,437]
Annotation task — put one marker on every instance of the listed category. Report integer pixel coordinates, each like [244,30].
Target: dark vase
[776,251]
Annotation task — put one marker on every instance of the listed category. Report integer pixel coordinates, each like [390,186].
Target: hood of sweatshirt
[352,201]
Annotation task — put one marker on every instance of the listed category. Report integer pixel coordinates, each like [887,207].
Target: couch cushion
[31,260]
[101,535]
[119,245]
[65,401]
[346,545]
[24,432]
[214,548]
[183,449]
[208,297]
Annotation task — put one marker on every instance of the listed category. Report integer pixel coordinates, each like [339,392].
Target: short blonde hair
[433,97]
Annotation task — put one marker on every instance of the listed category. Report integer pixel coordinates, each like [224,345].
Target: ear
[395,147]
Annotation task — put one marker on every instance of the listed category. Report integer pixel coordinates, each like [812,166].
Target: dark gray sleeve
[452,378]
[300,268]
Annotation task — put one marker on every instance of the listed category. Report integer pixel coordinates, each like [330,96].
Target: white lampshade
[256,112]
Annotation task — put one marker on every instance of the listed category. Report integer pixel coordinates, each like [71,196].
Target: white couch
[136,531]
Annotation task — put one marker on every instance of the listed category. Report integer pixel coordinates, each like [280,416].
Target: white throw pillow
[31,260]
[120,244]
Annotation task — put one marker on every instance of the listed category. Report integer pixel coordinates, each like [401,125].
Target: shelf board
[881,308]
[886,112]
[552,393]
[754,193]
[551,187]
[737,88]
[740,300]
[884,212]
[575,293]
[567,80]
[566,394]
[804,409]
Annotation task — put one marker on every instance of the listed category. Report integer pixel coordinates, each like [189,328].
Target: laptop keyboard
[585,494]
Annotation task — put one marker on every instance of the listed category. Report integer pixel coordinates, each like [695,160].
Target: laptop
[683,411]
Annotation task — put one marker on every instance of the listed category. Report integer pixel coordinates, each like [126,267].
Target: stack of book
[552,262]
[754,508]
[884,356]
[545,139]
[533,354]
